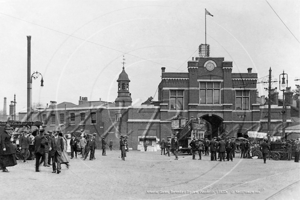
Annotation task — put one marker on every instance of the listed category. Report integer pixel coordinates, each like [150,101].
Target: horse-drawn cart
[278,151]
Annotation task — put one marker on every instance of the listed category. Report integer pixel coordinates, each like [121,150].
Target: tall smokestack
[15,116]
[29,82]
[4,107]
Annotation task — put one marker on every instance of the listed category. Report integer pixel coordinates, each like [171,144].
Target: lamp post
[34,76]
[283,84]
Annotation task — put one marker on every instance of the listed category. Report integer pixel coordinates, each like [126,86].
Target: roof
[66,105]
[123,76]
[175,75]
[93,104]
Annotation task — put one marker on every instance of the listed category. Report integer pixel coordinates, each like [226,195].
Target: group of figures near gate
[226,149]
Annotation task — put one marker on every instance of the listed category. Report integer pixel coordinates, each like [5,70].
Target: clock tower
[124,96]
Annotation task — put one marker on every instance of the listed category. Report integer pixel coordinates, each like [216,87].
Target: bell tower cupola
[124,96]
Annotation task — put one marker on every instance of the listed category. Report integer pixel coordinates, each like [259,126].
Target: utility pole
[269,103]
[269,88]
[29,80]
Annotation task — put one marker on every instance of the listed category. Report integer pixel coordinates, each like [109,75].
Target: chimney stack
[4,107]
[15,112]
[163,69]
[249,70]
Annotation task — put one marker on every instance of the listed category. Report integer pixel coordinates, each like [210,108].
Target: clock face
[210,65]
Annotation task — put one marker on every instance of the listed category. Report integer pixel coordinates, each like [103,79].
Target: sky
[78,46]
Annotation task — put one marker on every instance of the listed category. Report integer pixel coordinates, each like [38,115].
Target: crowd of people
[47,148]
[226,148]
[50,148]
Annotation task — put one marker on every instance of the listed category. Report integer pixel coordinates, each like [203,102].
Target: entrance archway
[216,125]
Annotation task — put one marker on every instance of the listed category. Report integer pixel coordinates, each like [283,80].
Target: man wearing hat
[7,150]
[103,142]
[222,149]
[297,150]
[122,147]
[194,148]
[213,149]
[174,147]
[39,149]
[91,146]
[264,147]
[24,144]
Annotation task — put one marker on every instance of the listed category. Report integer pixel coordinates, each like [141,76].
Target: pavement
[149,175]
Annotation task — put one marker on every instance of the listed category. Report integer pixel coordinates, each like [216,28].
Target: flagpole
[205,28]
[205,33]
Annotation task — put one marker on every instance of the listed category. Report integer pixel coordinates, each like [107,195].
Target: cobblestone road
[148,175]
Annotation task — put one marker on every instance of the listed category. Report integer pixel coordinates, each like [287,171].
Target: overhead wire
[282,22]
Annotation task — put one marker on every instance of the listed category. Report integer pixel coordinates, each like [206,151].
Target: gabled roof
[66,105]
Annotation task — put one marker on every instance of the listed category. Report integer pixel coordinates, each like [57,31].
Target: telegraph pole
[29,81]
[269,103]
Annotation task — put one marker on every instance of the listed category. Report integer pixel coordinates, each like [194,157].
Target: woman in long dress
[7,150]
[64,155]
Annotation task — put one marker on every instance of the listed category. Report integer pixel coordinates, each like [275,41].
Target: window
[93,117]
[242,99]
[82,116]
[72,117]
[210,92]
[61,118]
[52,118]
[176,99]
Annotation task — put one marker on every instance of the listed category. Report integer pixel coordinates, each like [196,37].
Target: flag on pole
[208,13]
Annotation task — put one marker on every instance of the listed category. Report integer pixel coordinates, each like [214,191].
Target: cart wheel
[283,156]
[275,156]
[257,153]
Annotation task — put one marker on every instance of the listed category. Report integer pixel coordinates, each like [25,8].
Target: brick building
[209,90]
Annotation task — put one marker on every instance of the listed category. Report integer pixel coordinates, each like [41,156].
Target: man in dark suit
[24,144]
[91,146]
[242,147]
[110,144]
[73,144]
[193,147]
[264,147]
[122,148]
[168,146]
[39,149]
[206,143]
[200,146]
[229,149]
[57,146]
[163,147]
[222,149]
[174,147]
[103,146]
[213,149]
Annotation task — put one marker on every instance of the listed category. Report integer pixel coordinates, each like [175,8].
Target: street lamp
[34,76]
[283,84]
